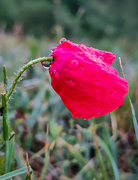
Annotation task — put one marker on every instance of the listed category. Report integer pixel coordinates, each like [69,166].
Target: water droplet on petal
[62,40]
[72,82]
[98,83]
[53,49]
[73,64]
[55,73]
[83,47]
[101,58]
[81,69]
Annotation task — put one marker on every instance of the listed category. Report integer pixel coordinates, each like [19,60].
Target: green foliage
[72,152]
[1,164]
[14,173]
[134,118]
[95,18]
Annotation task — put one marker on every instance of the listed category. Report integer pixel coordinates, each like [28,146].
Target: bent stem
[32,62]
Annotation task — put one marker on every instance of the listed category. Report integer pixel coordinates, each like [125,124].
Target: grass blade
[46,161]
[106,150]
[132,107]
[75,153]
[108,153]
[101,162]
[15,173]
[9,155]
[134,118]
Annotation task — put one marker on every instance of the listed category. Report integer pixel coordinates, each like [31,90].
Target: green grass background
[34,105]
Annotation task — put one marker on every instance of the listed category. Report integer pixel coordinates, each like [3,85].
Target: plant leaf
[134,118]
[15,173]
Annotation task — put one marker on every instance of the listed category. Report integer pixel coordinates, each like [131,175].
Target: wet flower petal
[86,82]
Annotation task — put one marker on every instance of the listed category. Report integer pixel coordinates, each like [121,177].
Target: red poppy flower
[85,81]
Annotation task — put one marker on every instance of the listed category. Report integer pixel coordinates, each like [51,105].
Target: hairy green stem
[4,114]
[5,78]
[32,62]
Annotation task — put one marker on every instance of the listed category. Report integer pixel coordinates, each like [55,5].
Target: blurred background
[28,29]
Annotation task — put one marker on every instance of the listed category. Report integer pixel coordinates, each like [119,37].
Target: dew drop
[81,69]
[72,82]
[51,62]
[73,64]
[83,47]
[62,40]
[46,64]
[101,58]
[98,83]
[53,49]
[45,67]
[55,73]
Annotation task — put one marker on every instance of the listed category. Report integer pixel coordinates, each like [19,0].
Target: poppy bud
[85,81]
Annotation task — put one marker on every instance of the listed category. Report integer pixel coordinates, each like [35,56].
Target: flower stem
[32,62]
[5,78]
[4,114]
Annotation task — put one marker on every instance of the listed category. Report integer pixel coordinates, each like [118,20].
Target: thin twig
[122,71]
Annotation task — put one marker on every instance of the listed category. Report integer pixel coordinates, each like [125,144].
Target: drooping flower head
[85,81]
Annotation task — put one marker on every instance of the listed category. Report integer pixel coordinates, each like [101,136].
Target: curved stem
[23,69]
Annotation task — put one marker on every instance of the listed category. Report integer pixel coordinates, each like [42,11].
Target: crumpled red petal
[85,81]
